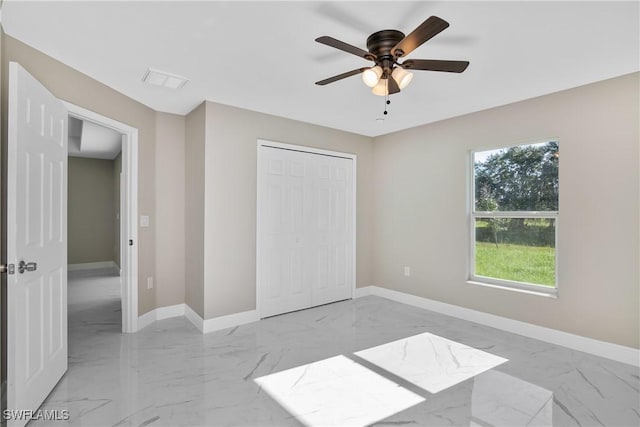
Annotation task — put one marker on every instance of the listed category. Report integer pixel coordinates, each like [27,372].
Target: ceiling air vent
[164,79]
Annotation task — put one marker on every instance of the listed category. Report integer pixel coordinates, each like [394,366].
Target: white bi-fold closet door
[305,229]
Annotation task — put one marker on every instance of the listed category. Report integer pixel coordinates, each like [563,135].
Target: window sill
[550,293]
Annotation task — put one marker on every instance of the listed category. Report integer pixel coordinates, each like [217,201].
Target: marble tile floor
[169,374]
[430,362]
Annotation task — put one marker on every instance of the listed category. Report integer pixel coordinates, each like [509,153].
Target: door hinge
[9,269]
[130,242]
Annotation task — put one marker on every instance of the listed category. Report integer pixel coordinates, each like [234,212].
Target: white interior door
[37,236]
[306,230]
[286,204]
[332,214]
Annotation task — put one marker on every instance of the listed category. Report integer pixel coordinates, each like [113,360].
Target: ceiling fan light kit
[402,77]
[381,88]
[385,49]
[372,75]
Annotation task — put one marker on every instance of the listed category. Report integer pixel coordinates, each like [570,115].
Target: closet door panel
[306,230]
[284,252]
[334,231]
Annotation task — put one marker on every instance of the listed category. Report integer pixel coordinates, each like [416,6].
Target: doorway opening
[94,168]
[102,227]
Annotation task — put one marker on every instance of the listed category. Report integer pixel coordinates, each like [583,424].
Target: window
[514,217]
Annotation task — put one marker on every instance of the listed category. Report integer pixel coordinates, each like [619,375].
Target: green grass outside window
[519,263]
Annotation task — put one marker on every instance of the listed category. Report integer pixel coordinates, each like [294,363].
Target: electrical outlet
[407,271]
[144,220]
[149,282]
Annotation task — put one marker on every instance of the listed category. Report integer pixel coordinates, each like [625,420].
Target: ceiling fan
[385,48]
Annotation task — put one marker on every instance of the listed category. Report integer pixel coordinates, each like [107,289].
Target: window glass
[522,178]
[515,215]
[516,249]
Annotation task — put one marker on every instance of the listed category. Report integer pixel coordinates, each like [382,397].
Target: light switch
[144,220]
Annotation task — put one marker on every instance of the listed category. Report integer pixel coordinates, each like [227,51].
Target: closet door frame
[263,144]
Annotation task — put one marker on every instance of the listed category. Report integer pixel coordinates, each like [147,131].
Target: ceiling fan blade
[392,86]
[330,41]
[340,76]
[435,65]
[429,28]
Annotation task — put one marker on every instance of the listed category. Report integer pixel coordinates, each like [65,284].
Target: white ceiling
[88,139]
[262,55]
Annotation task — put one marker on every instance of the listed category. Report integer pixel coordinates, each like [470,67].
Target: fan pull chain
[386,99]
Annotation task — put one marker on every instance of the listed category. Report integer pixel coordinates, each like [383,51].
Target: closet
[305,229]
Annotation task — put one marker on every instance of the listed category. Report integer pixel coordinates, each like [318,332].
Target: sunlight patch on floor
[337,392]
[429,361]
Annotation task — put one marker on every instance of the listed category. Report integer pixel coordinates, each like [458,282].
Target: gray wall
[195,128]
[170,209]
[91,210]
[230,199]
[421,209]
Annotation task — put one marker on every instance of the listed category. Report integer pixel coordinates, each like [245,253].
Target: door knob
[27,266]
[8,269]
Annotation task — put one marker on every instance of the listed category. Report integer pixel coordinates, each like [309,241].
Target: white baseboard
[146,319]
[92,266]
[193,317]
[170,311]
[230,321]
[611,351]
[222,322]
[362,292]
[160,313]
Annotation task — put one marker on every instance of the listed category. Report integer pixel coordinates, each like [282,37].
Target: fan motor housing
[380,43]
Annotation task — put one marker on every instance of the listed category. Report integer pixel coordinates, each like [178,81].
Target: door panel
[284,252]
[36,224]
[340,263]
[306,252]
[334,234]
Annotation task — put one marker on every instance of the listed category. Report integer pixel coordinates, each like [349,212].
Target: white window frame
[474,279]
